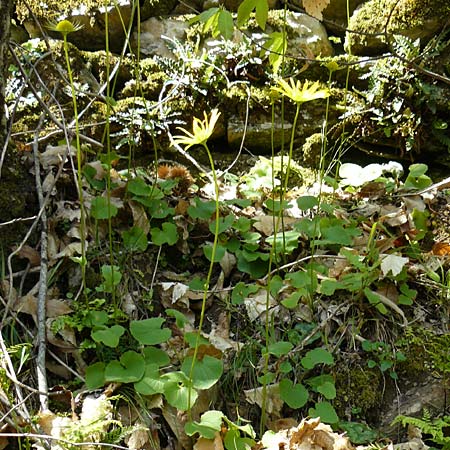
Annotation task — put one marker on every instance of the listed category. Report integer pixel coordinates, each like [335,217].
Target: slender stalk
[79,166]
[208,277]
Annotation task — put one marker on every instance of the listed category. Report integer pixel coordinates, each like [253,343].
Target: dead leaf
[392,263]
[53,156]
[209,444]
[256,305]
[54,307]
[441,249]
[315,7]
[33,256]
[274,404]
[140,218]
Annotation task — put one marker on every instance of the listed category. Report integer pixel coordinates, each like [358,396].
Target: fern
[433,427]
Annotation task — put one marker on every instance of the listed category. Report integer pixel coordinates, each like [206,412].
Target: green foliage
[436,428]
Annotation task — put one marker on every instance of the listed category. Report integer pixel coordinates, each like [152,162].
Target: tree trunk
[5,20]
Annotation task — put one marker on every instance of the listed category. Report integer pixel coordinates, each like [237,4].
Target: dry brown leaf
[142,438]
[315,7]
[55,155]
[209,444]
[274,404]
[28,305]
[31,254]
[140,218]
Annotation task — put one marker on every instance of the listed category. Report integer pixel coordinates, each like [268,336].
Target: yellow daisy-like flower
[301,93]
[65,27]
[202,130]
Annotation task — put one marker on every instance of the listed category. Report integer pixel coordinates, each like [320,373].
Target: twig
[65,441]
[19,219]
[42,296]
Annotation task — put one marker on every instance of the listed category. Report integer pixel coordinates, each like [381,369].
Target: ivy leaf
[294,395]
[202,210]
[149,332]
[109,336]
[167,235]
[102,209]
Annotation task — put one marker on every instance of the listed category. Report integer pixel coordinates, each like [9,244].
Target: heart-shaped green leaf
[206,372]
[109,336]
[294,395]
[151,383]
[129,369]
[149,332]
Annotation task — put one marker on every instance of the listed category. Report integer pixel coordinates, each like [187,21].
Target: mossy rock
[416,19]
[358,392]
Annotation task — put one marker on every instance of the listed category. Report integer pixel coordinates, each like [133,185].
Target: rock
[416,19]
[335,14]
[306,35]
[92,35]
[151,42]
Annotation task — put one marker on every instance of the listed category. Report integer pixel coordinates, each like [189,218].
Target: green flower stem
[79,162]
[208,278]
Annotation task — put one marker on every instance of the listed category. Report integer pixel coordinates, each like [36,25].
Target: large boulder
[416,19]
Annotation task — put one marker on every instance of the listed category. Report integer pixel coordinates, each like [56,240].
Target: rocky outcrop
[375,20]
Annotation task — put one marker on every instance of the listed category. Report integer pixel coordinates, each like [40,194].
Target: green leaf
[358,433]
[108,336]
[280,348]
[234,441]
[111,276]
[180,319]
[225,24]
[241,291]
[291,301]
[151,383]
[317,356]
[129,369]
[176,391]
[224,224]
[138,186]
[135,239]
[307,202]
[262,11]
[206,372]
[202,210]
[95,376]
[323,384]
[102,209]
[325,411]
[210,423]
[149,332]
[375,300]
[244,11]
[167,235]
[294,395]
[153,355]
[416,178]
[220,252]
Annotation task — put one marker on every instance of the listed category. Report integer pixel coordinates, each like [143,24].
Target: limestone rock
[412,18]
[151,42]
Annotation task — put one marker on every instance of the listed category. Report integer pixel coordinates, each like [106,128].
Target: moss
[312,150]
[358,388]
[425,351]
[419,18]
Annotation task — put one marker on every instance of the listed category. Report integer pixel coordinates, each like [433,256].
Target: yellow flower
[301,94]
[201,130]
[65,27]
